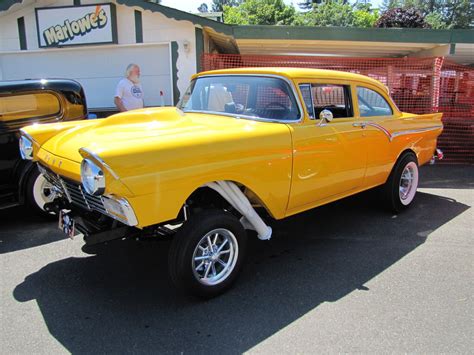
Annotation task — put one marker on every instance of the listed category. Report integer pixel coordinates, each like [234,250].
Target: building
[92,42]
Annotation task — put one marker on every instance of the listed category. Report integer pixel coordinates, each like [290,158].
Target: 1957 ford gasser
[278,140]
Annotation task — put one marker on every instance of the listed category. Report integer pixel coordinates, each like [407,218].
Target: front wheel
[400,188]
[207,252]
[39,192]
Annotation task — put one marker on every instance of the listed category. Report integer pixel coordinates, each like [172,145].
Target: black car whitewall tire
[401,186]
[206,254]
[39,192]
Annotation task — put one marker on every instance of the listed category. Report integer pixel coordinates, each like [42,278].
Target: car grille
[74,192]
[81,198]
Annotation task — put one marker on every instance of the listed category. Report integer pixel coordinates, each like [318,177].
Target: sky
[192,5]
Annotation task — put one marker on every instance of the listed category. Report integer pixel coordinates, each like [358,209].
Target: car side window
[372,104]
[305,90]
[24,106]
[335,98]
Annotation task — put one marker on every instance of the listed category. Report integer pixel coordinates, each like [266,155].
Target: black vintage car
[24,103]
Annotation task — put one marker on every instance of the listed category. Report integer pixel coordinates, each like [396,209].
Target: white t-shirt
[130,93]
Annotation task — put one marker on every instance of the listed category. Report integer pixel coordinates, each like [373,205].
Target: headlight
[26,148]
[92,177]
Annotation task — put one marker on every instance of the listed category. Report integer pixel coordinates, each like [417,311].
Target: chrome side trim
[288,81]
[99,160]
[392,136]
[381,128]
[413,131]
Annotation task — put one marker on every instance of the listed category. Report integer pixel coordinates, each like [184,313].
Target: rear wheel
[400,188]
[39,192]
[206,253]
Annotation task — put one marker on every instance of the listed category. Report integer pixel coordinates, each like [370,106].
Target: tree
[203,7]
[435,20]
[400,17]
[218,5]
[260,12]
[364,16]
[439,13]
[339,13]
[309,4]
[459,13]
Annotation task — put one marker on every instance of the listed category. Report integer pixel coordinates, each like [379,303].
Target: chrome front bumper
[118,209]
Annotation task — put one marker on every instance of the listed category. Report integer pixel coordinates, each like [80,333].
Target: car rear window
[372,104]
[24,106]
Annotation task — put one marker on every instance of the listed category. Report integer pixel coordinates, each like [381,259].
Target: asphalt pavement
[345,277]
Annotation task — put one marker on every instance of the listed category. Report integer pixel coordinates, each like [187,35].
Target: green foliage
[459,13]
[364,17]
[203,8]
[330,13]
[308,4]
[439,13]
[339,13]
[218,5]
[435,21]
[402,17]
[260,12]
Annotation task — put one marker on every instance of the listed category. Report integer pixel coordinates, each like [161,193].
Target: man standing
[129,92]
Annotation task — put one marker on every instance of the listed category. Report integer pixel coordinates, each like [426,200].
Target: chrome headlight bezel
[26,148]
[92,177]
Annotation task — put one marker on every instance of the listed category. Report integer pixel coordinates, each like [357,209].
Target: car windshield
[256,97]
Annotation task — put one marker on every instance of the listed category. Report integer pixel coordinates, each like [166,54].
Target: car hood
[152,130]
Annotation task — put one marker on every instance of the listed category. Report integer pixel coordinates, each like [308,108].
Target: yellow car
[242,143]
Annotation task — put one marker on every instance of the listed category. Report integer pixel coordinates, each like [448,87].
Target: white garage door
[98,69]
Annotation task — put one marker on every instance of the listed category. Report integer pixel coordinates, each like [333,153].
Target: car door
[329,158]
[377,115]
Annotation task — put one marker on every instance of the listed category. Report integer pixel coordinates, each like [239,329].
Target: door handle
[359,124]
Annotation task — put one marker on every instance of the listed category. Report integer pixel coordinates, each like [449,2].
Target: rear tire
[39,192]
[400,188]
[206,254]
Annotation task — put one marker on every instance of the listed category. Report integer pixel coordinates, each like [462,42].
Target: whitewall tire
[402,184]
[38,192]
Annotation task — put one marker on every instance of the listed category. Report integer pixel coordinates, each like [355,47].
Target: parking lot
[346,277]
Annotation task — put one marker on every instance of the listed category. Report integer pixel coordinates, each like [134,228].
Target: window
[335,98]
[246,96]
[308,101]
[23,106]
[371,103]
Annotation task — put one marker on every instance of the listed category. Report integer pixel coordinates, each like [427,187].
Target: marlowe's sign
[66,26]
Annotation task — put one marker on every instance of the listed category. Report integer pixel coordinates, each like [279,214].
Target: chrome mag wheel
[215,256]
[408,183]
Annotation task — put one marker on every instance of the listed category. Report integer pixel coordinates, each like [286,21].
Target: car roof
[297,73]
[16,86]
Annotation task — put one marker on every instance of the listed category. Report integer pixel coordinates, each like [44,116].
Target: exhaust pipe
[250,219]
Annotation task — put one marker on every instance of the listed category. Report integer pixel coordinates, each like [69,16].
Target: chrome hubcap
[215,256]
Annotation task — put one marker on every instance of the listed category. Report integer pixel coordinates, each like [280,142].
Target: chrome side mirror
[326,115]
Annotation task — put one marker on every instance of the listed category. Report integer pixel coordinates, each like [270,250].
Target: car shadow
[13,235]
[39,230]
[122,300]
